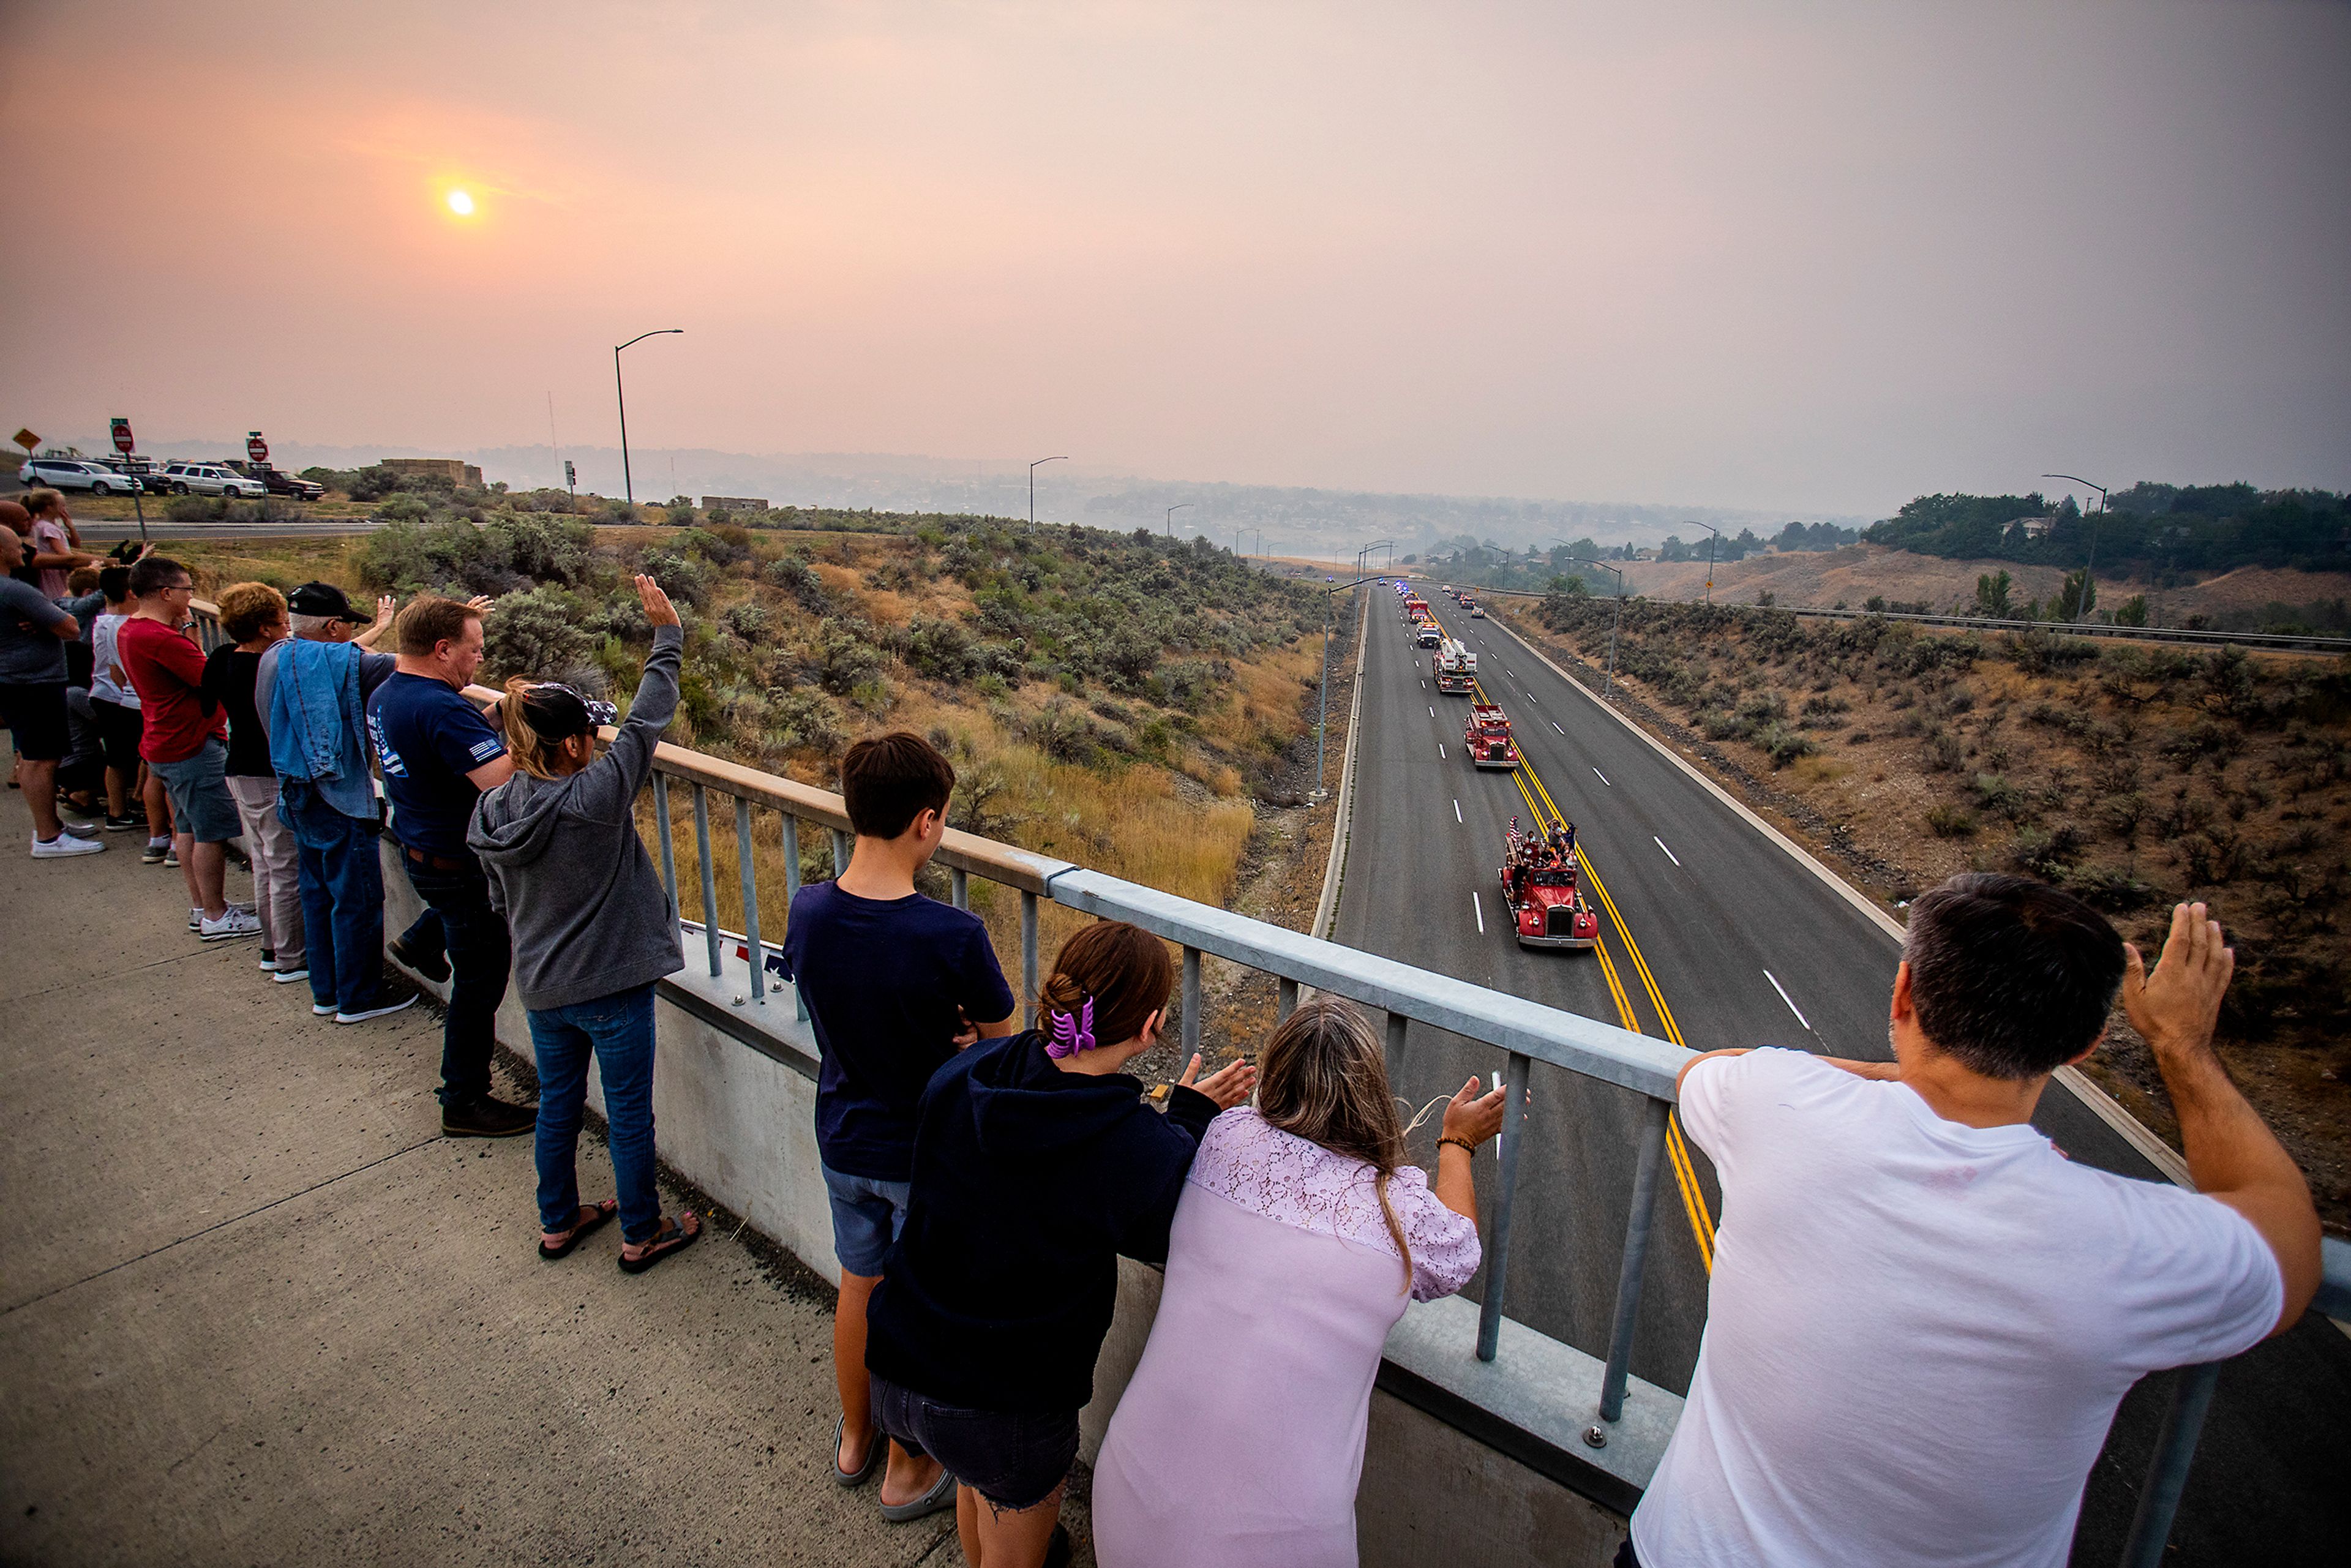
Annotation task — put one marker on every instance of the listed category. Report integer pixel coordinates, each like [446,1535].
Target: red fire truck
[1540,883]
[1487,737]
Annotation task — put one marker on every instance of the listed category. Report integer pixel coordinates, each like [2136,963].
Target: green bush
[536,632]
[1950,822]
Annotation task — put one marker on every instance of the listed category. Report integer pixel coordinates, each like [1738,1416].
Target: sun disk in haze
[461,204]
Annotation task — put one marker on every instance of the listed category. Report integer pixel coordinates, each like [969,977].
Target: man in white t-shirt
[1922,1315]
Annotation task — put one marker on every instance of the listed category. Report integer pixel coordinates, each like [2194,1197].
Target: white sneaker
[322,1010]
[63,845]
[407,1001]
[231,925]
[288,977]
[195,919]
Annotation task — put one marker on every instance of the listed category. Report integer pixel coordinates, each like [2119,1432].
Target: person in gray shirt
[34,633]
[593,928]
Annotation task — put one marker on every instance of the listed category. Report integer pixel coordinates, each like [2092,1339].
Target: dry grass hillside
[1117,700]
[1850,577]
[2134,776]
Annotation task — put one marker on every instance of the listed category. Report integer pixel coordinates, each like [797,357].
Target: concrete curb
[2100,1105]
[1326,909]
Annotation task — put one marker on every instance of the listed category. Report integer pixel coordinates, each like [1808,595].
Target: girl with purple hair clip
[1037,1165]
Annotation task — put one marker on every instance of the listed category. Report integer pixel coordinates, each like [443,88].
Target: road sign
[570,475]
[256,448]
[122,442]
[28,440]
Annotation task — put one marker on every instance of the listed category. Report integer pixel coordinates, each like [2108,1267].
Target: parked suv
[74,474]
[280,483]
[208,479]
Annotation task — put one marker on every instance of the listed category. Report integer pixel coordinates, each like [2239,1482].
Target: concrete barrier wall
[735,1114]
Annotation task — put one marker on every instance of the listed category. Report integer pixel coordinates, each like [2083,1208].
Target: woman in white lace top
[1300,1236]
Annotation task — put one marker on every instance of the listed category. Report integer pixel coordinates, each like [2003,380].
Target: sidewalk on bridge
[256,1309]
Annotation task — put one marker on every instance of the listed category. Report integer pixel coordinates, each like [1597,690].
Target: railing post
[1506,1192]
[844,844]
[959,886]
[1637,1258]
[1288,992]
[1397,1022]
[791,892]
[661,821]
[1191,1006]
[2167,1473]
[709,881]
[1028,960]
[750,878]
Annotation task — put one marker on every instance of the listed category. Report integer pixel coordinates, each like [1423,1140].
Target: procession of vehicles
[1541,874]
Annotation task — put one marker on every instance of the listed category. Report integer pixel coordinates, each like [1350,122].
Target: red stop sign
[256,448]
[122,442]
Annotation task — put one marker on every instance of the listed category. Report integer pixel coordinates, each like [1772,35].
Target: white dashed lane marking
[1601,777]
[1789,1000]
[1479,910]
[1661,844]
[1456,813]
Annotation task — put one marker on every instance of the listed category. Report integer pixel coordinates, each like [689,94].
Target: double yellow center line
[1544,812]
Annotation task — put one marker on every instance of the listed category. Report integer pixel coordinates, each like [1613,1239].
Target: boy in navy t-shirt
[895,983]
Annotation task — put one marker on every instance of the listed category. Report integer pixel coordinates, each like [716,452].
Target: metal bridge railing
[1524,1031]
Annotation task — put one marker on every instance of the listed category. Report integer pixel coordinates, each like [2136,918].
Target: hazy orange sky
[1799,256]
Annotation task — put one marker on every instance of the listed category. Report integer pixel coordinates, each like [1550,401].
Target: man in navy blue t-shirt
[437,754]
[895,983]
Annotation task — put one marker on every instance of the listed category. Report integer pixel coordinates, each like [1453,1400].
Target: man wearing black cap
[438,753]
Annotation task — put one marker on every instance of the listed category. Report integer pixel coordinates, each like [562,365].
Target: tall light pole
[1619,621]
[2089,573]
[1032,487]
[1171,516]
[627,486]
[1715,535]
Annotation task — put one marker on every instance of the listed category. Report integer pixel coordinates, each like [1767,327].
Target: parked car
[208,479]
[74,474]
[148,471]
[280,483]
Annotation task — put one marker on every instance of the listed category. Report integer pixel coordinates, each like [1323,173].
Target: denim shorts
[1013,1459]
[201,804]
[866,1216]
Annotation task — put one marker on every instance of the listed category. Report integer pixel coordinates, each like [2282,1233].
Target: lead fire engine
[1487,737]
[1540,883]
[1455,667]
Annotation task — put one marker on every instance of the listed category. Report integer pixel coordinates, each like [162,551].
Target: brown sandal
[673,1237]
[590,1218]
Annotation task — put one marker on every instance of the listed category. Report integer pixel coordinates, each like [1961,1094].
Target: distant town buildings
[2034,527]
[464,474]
[734,503]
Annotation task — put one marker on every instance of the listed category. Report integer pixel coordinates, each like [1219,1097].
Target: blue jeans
[336,864]
[618,1030]
[481,954]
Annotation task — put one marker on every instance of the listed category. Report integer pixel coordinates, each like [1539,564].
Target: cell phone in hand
[1497,1084]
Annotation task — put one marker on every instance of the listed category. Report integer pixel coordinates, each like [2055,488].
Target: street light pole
[1714,535]
[1032,489]
[628,485]
[1171,516]
[1619,620]
[2089,573]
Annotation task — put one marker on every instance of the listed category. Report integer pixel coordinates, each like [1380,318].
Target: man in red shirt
[184,738]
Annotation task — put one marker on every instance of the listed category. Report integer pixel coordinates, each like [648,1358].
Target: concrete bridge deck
[255,1309]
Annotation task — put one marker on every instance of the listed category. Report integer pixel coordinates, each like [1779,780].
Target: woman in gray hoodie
[593,929]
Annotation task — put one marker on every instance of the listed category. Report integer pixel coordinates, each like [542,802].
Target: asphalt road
[109,532]
[1712,935]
